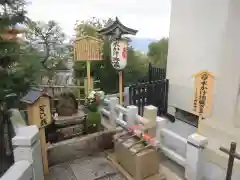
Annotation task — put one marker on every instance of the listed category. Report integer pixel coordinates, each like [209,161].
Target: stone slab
[95,167]
[90,168]
[61,172]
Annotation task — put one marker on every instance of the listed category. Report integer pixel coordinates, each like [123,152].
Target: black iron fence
[154,74]
[151,93]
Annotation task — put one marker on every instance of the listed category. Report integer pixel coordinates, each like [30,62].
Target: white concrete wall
[204,35]
[181,128]
[21,170]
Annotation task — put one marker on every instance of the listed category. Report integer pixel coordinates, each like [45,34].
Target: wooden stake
[44,150]
[120,88]
[88,76]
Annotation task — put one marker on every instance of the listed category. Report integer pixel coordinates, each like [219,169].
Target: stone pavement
[88,168]
[97,167]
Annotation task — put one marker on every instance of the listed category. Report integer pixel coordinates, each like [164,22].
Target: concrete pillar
[113,101]
[131,115]
[150,112]
[195,157]
[161,123]
[150,116]
[27,147]
[126,96]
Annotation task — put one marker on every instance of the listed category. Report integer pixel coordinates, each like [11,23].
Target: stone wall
[80,146]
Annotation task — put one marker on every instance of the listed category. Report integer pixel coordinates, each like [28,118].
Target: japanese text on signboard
[119,54]
[43,115]
[115,54]
[203,94]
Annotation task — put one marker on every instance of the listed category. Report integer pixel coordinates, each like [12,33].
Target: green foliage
[157,52]
[136,68]
[93,107]
[103,70]
[49,39]
[11,14]
[94,118]
[21,59]
[93,122]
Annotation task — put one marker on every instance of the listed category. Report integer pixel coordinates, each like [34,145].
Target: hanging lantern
[119,54]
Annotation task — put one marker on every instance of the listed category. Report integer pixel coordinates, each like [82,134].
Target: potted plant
[94,118]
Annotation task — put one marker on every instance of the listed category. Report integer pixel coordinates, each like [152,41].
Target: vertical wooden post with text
[39,114]
[203,94]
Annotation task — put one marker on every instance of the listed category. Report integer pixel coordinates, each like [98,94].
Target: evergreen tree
[12,14]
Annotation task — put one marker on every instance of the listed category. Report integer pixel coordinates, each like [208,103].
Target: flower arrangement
[94,100]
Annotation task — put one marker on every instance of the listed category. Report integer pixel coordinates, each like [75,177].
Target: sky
[150,17]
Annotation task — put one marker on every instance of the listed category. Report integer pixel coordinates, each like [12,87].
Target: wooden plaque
[203,92]
[88,48]
[40,113]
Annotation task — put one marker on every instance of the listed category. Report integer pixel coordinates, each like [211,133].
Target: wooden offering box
[140,163]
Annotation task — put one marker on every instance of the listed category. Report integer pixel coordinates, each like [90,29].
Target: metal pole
[231,153]
[231,161]
[88,76]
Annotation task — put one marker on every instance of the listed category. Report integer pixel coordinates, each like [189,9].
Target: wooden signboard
[203,94]
[88,48]
[39,114]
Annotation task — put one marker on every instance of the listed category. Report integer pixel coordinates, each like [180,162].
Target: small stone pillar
[27,147]
[126,96]
[195,157]
[161,123]
[131,115]
[113,101]
[150,113]
[149,120]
